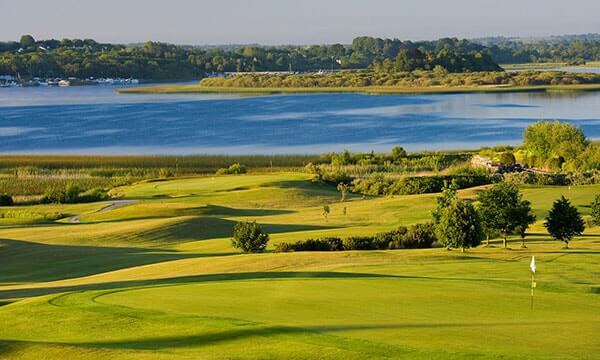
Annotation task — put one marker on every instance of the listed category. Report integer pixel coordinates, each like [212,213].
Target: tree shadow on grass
[24,261]
[216,210]
[307,186]
[208,210]
[272,331]
[204,228]
[31,292]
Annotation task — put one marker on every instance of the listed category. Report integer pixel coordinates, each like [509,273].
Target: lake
[96,120]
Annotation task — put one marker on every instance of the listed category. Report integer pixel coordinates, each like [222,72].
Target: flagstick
[532,287]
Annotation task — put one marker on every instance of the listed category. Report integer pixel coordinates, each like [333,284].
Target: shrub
[467,169]
[586,178]
[234,169]
[522,178]
[383,241]
[54,195]
[530,178]
[507,158]
[71,194]
[249,237]
[335,244]
[555,164]
[6,200]
[164,173]
[324,244]
[398,236]
[94,195]
[359,243]
[284,247]
[420,236]
[412,185]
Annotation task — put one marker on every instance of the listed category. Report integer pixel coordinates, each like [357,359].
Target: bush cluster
[72,194]
[412,185]
[530,178]
[324,244]
[418,236]
[234,169]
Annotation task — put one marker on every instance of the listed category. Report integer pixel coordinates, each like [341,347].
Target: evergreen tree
[564,221]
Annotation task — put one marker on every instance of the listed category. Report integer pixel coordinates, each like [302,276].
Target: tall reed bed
[26,175]
[187,163]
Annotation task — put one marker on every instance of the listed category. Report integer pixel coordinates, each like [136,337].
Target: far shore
[375,90]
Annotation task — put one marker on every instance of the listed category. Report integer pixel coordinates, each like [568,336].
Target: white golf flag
[532,265]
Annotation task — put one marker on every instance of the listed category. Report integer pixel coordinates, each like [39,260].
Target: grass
[548,65]
[158,279]
[376,90]
[26,177]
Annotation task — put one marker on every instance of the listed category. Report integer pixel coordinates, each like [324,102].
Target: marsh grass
[27,175]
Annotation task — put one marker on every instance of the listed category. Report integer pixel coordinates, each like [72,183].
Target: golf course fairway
[158,278]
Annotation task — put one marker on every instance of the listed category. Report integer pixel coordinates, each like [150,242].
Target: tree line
[84,58]
[498,211]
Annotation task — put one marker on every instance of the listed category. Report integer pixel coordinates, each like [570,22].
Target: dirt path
[111,206]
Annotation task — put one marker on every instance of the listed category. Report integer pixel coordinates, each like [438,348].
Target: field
[157,278]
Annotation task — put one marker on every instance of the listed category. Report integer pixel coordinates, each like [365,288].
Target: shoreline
[368,90]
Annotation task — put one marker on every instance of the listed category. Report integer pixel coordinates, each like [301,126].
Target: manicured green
[159,279]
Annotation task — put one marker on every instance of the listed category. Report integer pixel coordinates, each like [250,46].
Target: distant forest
[78,58]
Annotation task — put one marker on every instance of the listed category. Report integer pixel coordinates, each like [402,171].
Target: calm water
[96,120]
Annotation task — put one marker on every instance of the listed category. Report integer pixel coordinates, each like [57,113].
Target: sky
[275,22]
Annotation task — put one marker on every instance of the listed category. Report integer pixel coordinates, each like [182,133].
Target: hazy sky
[292,21]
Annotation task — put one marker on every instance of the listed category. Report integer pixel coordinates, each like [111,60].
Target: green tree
[341,159]
[398,153]
[249,237]
[443,201]
[72,192]
[460,226]
[501,207]
[326,211]
[404,61]
[440,71]
[27,41]
[596,210]
[554,140]
[564,221]
[343,189]
[507,158]
[524,218]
